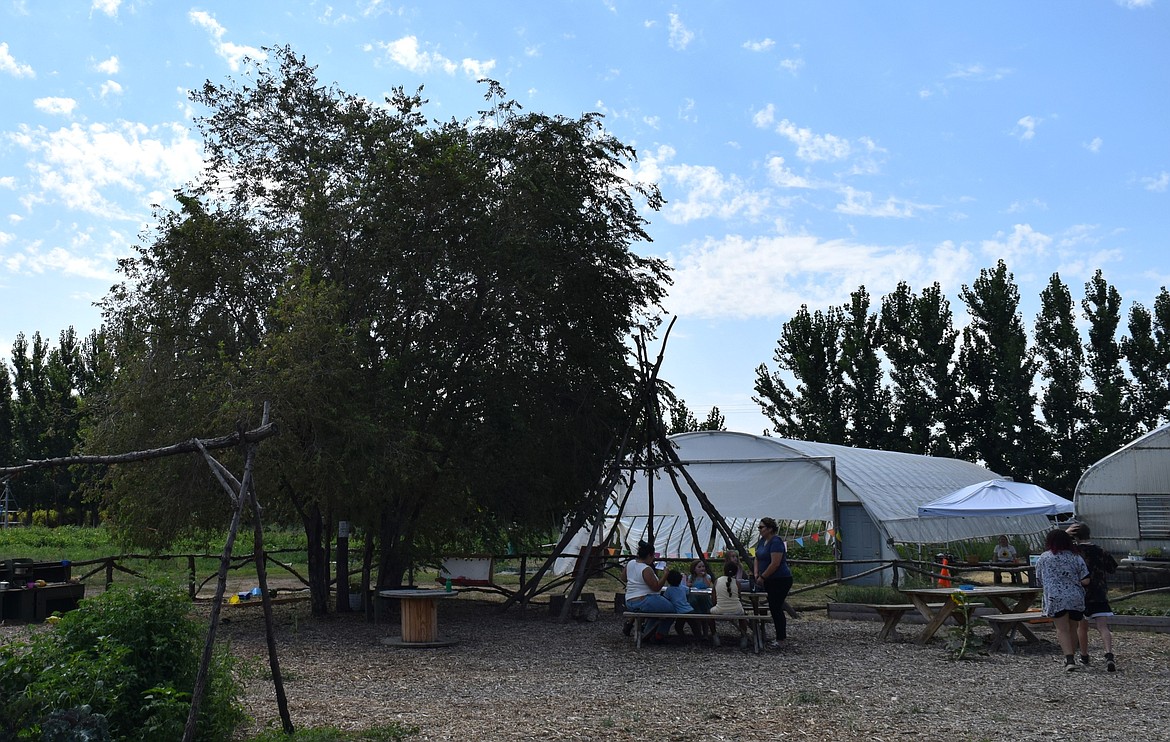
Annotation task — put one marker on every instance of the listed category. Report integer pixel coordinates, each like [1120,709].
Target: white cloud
[55,106]
[764,117]
[1136,4]
[813,147]
[977,72]
[1019,207]
[783,177]
[759,46]
[109,7]
[1026,128]
[1094,146]
[792,65]
[680,36]
[109,66]
[861,203]
[478,69]
[6,237]
[406,52]
[109,87]
[652,121]
[60,260]
[742,277]
[1159,183]
[699,191]
[1015,248]
[8,181]
[9,64]
[230,52]
[374,8]
[81,167]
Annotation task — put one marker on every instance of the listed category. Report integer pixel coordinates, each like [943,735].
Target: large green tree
[1062,400]
[1147,354]
[996,369]
[918,338]
[1109,396]
[866,399]
[809,349]
[437,312]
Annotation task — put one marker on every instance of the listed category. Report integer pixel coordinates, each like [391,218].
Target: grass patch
[380,733]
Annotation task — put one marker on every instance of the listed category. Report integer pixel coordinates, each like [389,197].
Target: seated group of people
[671,593]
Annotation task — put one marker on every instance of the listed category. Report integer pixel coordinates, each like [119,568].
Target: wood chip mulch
[522,675]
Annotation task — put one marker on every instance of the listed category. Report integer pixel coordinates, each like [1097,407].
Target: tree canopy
[437,311]
[1038,409]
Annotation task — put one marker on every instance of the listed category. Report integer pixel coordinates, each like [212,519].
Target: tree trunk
[393,559]
[318,562]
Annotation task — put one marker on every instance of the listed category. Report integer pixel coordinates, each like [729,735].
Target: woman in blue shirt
[773,575]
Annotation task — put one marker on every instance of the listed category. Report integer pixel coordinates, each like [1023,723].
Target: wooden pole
[225,561]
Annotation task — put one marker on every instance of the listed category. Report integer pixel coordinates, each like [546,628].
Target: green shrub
[129,655]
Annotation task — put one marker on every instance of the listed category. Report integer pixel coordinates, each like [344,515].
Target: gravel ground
[522,675]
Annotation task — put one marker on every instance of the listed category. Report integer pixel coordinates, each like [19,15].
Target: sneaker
[774,644]
[1071,667]
[1109,665]
[628,628]
[1085,660]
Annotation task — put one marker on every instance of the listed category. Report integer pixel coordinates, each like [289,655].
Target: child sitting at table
[676,593]
[700,592]
[725,596]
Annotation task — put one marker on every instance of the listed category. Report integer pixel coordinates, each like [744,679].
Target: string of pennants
[829,536]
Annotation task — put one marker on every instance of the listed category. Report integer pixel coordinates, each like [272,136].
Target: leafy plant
[961,638]
[75,725]
[129,655]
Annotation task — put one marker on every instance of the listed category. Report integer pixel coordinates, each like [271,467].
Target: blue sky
[804,149]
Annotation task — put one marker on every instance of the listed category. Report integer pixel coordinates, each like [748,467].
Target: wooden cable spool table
[420,617]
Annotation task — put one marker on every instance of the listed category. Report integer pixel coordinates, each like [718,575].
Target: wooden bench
[891,614]
[755,622]
[1005,625]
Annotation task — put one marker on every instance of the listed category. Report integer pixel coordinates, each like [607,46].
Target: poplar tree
[1147,354]
[996,370]
[866,400]
[809,348]
[1062,400]
[1111,422]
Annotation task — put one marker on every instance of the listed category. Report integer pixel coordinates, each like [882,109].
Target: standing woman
[643,586]
[773,574]
[1062,573]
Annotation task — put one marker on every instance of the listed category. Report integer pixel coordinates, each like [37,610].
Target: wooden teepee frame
[242,493]
[659,454]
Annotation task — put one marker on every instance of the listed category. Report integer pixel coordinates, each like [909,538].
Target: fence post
[191,575]
[109,573]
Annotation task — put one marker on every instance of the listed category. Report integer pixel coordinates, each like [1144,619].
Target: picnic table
[1005,599]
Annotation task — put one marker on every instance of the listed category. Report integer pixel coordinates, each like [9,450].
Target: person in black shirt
[1097,608]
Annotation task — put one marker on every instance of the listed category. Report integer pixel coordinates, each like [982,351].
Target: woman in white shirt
[643,586]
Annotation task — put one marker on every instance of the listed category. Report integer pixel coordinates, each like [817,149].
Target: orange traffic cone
[944,574]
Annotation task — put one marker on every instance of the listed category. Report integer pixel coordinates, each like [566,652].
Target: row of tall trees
[43,414]
[437,312]
[900,376]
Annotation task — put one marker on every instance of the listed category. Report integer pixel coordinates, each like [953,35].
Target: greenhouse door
[859,540]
